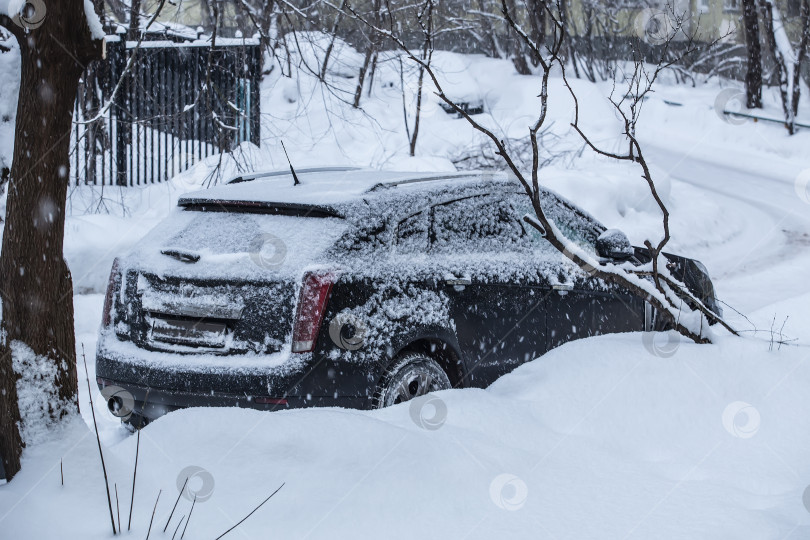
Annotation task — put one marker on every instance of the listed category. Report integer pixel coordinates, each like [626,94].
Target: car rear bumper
[152,403]
[150,390]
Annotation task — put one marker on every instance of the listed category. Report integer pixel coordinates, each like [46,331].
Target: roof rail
[284,172]
[444,176]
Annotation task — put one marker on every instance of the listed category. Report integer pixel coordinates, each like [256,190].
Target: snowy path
[761,263]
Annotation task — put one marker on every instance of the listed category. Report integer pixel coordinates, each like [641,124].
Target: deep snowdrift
[611,437]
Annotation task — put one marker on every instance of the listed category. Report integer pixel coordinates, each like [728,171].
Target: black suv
[352,288]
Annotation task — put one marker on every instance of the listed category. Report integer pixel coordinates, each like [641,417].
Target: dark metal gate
[177,104]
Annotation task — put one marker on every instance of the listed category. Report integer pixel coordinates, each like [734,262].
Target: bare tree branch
[663,292]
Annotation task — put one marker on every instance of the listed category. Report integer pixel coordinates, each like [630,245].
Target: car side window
[475,223]
[411,234]
[573,223]
[368,238]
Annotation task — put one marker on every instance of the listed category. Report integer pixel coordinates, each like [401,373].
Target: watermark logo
[31,14]
[195,483]
[428,412]
[120,402]
[268,251]
[654,26]
[45,213]
[661,344]
[741,419]
[508,492]
[586,267]
[730,100]
[347,331]
[802,185]
[498,176]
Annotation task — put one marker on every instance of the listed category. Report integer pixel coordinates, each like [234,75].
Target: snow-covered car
[353,288]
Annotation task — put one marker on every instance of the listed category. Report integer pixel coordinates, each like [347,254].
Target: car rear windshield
[225,243]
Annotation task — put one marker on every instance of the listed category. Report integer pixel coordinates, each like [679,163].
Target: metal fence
[176,104]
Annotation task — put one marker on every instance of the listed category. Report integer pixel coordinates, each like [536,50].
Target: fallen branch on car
[652,281]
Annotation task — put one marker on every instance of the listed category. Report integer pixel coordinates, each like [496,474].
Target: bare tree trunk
[372,72]
[284,40]
[519,60]
[262,21]
[370,58]
[488,29]
[801,54]
[567,35]
[361,78]
[781,65]
[333,37]
[518,52]
[536,13]
[37,291]
[208,15]
[117,7]
[415,133]
[753,75]
[134,20]
[588,38]
[425,21]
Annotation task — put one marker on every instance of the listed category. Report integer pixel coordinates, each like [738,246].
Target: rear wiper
[182,256]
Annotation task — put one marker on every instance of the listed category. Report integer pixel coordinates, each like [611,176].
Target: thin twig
[98,440]
[178,527]
[62,472]
[175,504]
[134,474]
[781,333]
[189,517]
[117,507]
[247,516]
[153,515]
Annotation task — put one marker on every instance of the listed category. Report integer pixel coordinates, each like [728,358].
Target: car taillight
[270,400]
[109,299]
[311,306]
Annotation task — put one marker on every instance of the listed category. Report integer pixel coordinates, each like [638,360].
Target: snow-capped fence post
[116,54]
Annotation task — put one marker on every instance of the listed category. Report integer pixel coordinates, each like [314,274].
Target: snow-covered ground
[624,436]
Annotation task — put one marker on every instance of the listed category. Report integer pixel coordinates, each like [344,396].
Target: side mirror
[613,244]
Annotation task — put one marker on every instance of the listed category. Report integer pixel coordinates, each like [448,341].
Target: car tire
[659,324]
[135,422]
[411,375]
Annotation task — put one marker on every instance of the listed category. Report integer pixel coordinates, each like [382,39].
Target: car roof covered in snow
[330,191]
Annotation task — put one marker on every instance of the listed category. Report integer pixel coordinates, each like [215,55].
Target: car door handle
[565,287]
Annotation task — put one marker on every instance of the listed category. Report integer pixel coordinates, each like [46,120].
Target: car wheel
[410,376]
[659,324]
[135,422]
